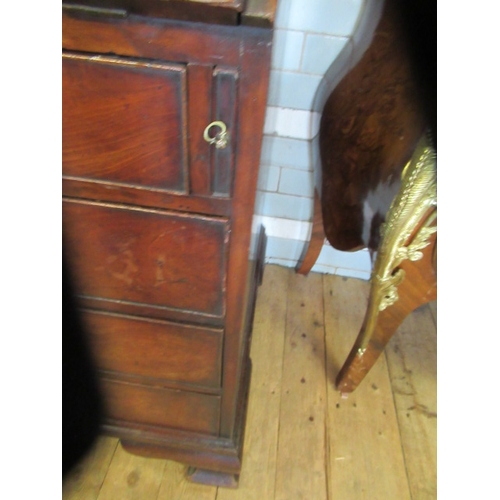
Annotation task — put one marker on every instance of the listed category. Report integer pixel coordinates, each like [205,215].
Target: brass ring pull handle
[221,138]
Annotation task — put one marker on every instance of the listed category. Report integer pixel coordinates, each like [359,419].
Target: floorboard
[301,472]
[131,477]
[258,476]
[85,480]
[365,458]
[411,356]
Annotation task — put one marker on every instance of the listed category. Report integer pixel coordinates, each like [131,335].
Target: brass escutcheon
[221,138]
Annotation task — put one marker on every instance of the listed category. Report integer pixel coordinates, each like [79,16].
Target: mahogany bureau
[163,113]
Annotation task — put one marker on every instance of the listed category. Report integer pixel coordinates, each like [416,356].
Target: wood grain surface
[412,361]
[111,101]
[130,254]
[303,395]
[369,129]
[367,462]
[143,349]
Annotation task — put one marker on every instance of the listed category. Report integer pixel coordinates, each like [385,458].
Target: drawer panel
[139,256]
[156,349]
[187,411]
[124,121]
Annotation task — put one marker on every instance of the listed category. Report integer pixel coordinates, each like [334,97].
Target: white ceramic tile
[315,123]
[287,49]
[292,90]
[283,206]
[283,248]
[297,182]
[285,152]
[284,228]
[293,123]
[332,17]
[282,14]
[320,51]
[269,177]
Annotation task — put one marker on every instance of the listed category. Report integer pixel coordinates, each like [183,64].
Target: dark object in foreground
[81,398]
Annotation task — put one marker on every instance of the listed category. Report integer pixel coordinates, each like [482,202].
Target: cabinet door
[138,123]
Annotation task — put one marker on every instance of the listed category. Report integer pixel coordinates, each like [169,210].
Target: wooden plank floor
[303,441]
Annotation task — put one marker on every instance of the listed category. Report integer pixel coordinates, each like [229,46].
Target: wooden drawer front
[141,404]
[213,11]
[124,121]
[135,124]
[156,349]
[138,256]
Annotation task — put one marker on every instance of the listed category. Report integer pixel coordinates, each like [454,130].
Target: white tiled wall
[315,43]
